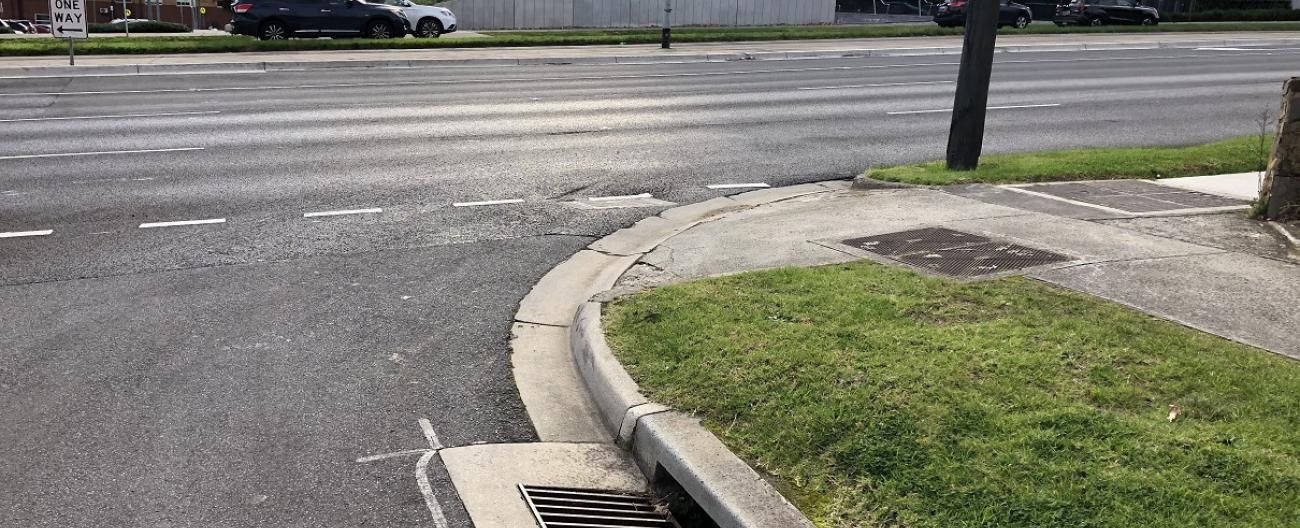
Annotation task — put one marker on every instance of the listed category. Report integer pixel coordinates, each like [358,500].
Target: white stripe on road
[942,110]
[118,116]
[878,85]
[342,212]
[395,454]
[621,197]
[98,153]
[738,186]
[16,234]
[148,225]
[430,435]
[426,489]
[488,202]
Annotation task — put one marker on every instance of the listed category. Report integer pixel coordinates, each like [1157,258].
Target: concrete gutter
[578,58]
[574,389]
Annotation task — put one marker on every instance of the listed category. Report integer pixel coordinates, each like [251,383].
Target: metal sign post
[966,135]
[666,37]
[68,20]
[126,18]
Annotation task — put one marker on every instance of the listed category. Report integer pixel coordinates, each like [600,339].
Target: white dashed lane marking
[621,197]
[738,186]
[318,214]
[149,225]
[17,234]
[488,202]
[876,85]
[944,110]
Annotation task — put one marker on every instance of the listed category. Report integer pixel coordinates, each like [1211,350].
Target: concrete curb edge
[658,438]
[286,66]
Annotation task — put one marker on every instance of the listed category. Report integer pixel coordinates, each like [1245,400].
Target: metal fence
[531,14]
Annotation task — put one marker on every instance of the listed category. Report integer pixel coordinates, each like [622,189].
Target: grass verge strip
[1242,154]
[878,397]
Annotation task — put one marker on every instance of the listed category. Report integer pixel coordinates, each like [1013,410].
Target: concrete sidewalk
[639,53]
[1220,273]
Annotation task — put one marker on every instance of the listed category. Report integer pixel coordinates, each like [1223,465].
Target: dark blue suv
[281,19]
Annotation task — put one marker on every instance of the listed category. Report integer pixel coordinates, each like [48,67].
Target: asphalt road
[233,374]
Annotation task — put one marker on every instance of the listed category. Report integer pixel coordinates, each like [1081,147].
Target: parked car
[125,20]
[42,28]
[1099,12]
[282,19]
[6,29]
[22,25]
[953,13]
[426,21]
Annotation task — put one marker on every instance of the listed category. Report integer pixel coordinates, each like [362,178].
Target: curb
[666,445]
[290,66]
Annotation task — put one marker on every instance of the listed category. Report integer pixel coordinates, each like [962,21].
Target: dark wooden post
[966,136]
[1280,193]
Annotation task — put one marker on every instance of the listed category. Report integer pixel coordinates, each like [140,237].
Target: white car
[426,20]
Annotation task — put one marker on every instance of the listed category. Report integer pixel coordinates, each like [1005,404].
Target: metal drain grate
[954,253]
[584,508]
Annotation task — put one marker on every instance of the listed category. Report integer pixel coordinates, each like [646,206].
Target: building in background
[102,11]
[537,14]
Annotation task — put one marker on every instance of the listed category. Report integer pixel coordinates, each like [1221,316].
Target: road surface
[251,283]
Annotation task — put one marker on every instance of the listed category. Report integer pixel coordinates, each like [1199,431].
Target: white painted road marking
[488,202]
[118,116]
[942,110]
[394,454]
[148,225]
[98,153]
[426,489]
[430,435]
[621,197]
[16,234]
[878,85]
[739,186]
[342,212]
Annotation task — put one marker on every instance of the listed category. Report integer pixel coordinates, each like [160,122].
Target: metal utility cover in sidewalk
[556,507]
[954,253]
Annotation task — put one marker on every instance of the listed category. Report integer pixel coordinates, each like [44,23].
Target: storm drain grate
[584,508]
[954,253]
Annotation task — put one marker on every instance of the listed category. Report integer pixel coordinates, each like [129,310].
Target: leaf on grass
[1174,412]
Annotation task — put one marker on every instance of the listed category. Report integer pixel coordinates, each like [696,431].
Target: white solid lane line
[148,225]
[426,489]
[430,435]
[620,197]
[488,202]
[374,210]
[16,234]
[97,153]
[877,85]
[738,186]
[394,454]
[943,110]
[118,116]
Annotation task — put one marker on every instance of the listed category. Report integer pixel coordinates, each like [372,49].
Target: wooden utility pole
[1280,193]
[966,136]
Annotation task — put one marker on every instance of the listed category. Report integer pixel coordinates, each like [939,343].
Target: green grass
[1242,154]
[197,44]
[879,397]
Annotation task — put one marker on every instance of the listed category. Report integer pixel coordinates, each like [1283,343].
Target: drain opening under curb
[571,507]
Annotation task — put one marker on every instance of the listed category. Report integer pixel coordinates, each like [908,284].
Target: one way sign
[68,18]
